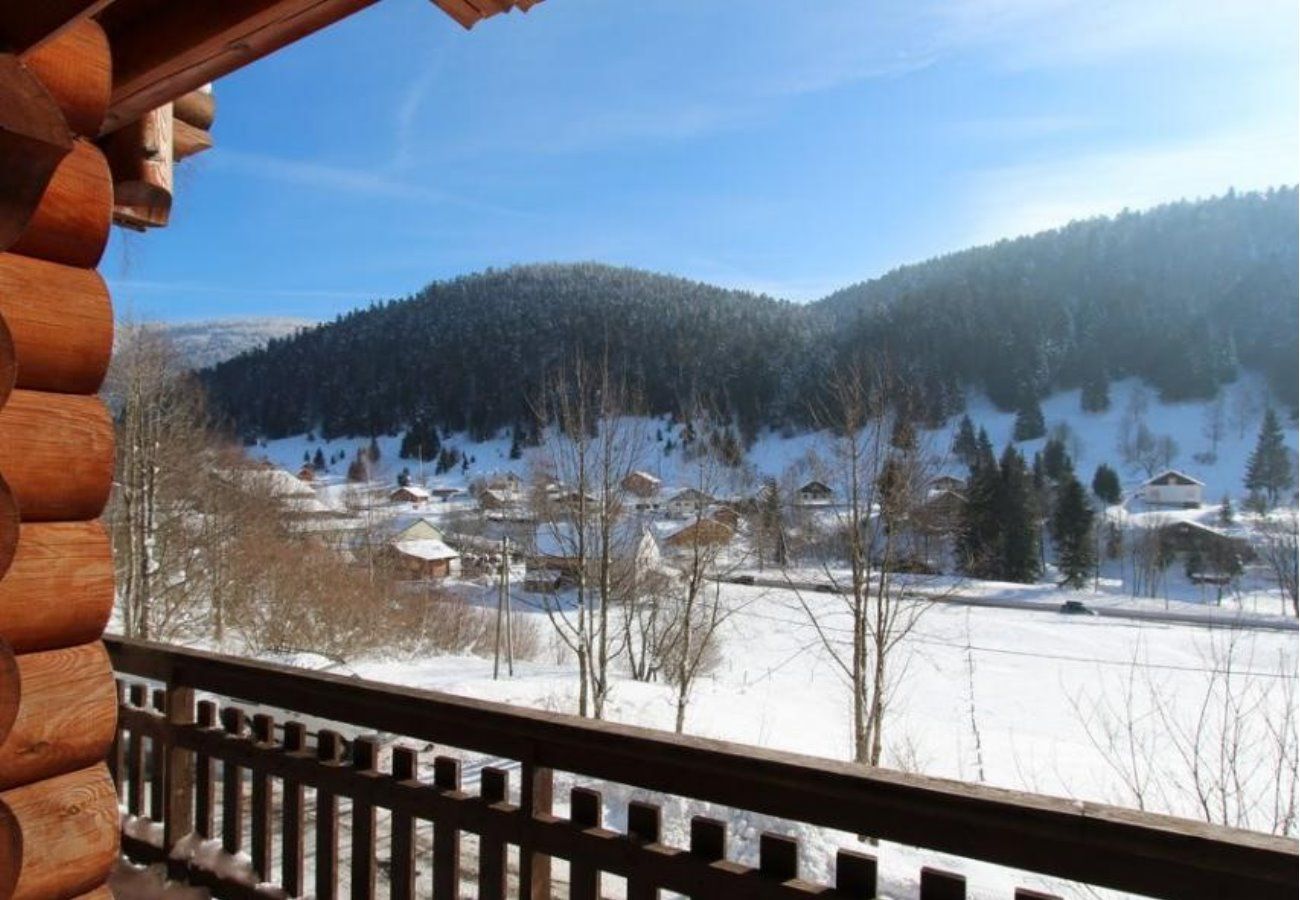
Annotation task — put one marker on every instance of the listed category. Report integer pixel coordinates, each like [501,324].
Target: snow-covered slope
[209,342]
[1093,440]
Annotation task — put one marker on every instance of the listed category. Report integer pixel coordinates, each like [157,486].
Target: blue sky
[783,146]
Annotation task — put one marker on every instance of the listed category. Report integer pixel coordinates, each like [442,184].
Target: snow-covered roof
[412,490]
[425,548]
[560,539]
[1179,477]
[640,473]
[690,495]
[816,487]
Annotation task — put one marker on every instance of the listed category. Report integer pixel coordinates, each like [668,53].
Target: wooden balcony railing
[285,793]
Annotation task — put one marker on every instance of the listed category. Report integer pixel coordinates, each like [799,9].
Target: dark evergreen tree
[357,471]
[1095,396]
[1105,484]
[965,447]
[1056,460]
[1226,514]
[373,450]
[306,458]
[1269,469]
[318,461]
[516,444]
[1029,421]
[404,478]
[1071,527]
[978,537]
[1018,517]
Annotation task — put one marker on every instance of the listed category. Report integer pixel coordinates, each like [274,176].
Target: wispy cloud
[127,285]
[1030,34]
[1024,198]
[367,182]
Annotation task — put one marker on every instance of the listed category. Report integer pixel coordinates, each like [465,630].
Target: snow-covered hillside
[1093,439]
[206,343]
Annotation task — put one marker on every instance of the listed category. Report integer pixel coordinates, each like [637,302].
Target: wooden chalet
[815,493]
[99,100]
[700,533]
[409,493]
[1173,488]
[641,484]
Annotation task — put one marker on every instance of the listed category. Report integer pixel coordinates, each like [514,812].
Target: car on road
[1076,608]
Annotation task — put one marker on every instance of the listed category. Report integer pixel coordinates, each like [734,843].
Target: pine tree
[1018,518]
[318,461]
[1071,526]
[1056,460]
[1095,396]
[306,458]
[404,478]
[1105,484]
[978,548]
[1269,470]
[516,448]
[1226,514]
[1029,421]
[964,446]
[373,450]
[357,471]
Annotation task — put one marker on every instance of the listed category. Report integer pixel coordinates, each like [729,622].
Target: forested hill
[1181,295]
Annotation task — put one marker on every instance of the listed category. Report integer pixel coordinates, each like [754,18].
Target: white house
[1172,488]
[689,503]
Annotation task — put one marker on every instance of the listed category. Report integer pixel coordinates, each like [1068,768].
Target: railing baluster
[778,856]
[178,818]
[232,786]
[402,878]
[117,753]
[708,840]
[203,781]
[493,788]
[939,885]
[643,824]
[263,736]
[158,762]
[536,795]
[446,836]
[135,757]
[855,874]
[365,755]
[328,751]
[586,810]
[291,857]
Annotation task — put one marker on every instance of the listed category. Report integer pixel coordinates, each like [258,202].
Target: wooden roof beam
[25,24]
[179,47]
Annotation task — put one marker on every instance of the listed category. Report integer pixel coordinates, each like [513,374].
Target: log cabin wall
[59,831]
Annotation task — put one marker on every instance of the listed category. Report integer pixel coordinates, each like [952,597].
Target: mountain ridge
[1183,295]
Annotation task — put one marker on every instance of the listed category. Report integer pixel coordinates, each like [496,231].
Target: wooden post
[178,818]
[537,791]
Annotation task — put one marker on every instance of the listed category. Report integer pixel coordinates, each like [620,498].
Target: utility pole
[505,597]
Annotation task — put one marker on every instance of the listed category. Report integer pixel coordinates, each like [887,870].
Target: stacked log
[59,828]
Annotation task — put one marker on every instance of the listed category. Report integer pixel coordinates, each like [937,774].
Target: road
[1214,617]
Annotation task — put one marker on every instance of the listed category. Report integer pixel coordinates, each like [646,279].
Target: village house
[508,485]
[700,533]
[419,552]
[307,474]
[688,503]
[409,493]
[1172,488]
[555,547]
[815,493]
[444,493]
[641,484]
[1204,549]
[940,483]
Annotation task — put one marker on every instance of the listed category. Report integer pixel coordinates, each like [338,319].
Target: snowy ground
[1009,698]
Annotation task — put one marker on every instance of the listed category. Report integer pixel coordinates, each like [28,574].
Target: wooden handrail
[1100,845]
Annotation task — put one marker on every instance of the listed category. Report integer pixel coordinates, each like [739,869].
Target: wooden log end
[59,589]
[58,837]
[57,456]
[60,323]
[71,222]
[76,68]
[34,139]
[66,714]
[9,527]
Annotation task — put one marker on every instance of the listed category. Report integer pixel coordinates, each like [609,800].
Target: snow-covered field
[1077,706]
[1029,700]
